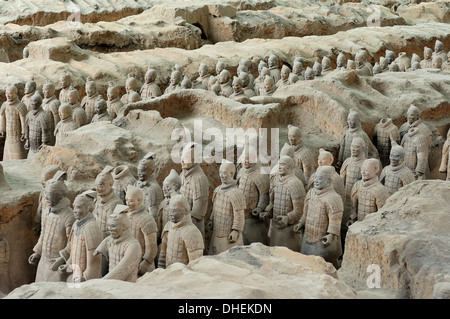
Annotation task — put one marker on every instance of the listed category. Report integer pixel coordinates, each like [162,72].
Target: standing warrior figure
[416,149]
[122,178]
[56,228]
[225,83]
[354,129]
[51,104]
[131,84]
[150,88]
[439,50]
[341,62]
[175,82]
[227,217]
[66,124]
[47,173]
[275,72]
[397,174]
[413,120]
[78,113]
[368,194]
[203,74]
[427,61]
[120,248]
[287,150]
[77,258]
[101,112]
[114,104]
[383,133]
[38,130]
[12,124]
[284,80]
[182,242]
[88,102]
[286,207]
[322,218]
[171,187]
[153,194]
[445,161]
[65,81]
[143,228]
[304,158]
[255,186]
[30,89]
[194,186]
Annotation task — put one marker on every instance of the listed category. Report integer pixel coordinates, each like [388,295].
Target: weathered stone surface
[438,11]
[250,272]
[408,239]
[56,49]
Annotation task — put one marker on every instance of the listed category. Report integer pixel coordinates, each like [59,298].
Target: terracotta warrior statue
[131,84]
[238,91]
[153,195]
[122,178]
[143,228]
[351,65]
[439,50]
[38,130]
[445,161]
[269,87]
[436,62]
[304,158]
[12,125]
[275,72]
[228,214]
[181,242]
[47,173]
[385,132]
[361,67]
[77,258]
[317,69]
[51,104]
[368,194]
[354,129]
[397,174]
[322,218]
[249,89]
[341,62]
[88,102]
[171,187]
[66,124]
[175,82]
[390,56]
[326,66]
[255,186]
[427,61]
[326,159]
[150,88]
[194,186]
[203,74]
[416,153]
[120,248]
[259,81]
[56,228]
[286,207]
[225,86]
[287,150]
[248,68]
[65,82]
[298,73]
[220,66]
[78,113]
[101,111]
[403,61]
[114,104]
[29,91]
[284,80]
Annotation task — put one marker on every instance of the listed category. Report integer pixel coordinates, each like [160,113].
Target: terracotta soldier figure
[131,84]
[275,72]
[186,83]
[38,130]
[416,152]
[101,111]
[341,62]
[88,102]
[436,62]
[203,74]
[394,67]
[326,65]
[238,91]
[66,124]
[171,187]
[78,113]
[150,88]
[351,65]
[114,104]
[397,174]
[77,258]
[317,69]
[322,218]
[361,66]
[12,125]
[143,228]
[56,228]
[248,66]
[304,158]
[51,104]
[194,186]
[445,161]
[182,242]
[220,66]
[439,50]
[175,82]
[427,61]
[326,159]
[65,81]
[368,194]
[225,86]
[259,81]
[286,207]
[269,87]
[29,91]
[298,73]
[403,61]
[122,178]
[153,194]
[227,217]
[389,56]
[284,80]
[120,248]
[385,132]
[47,173]
[354,129]
[287,150]
[249,89]
[255,186]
